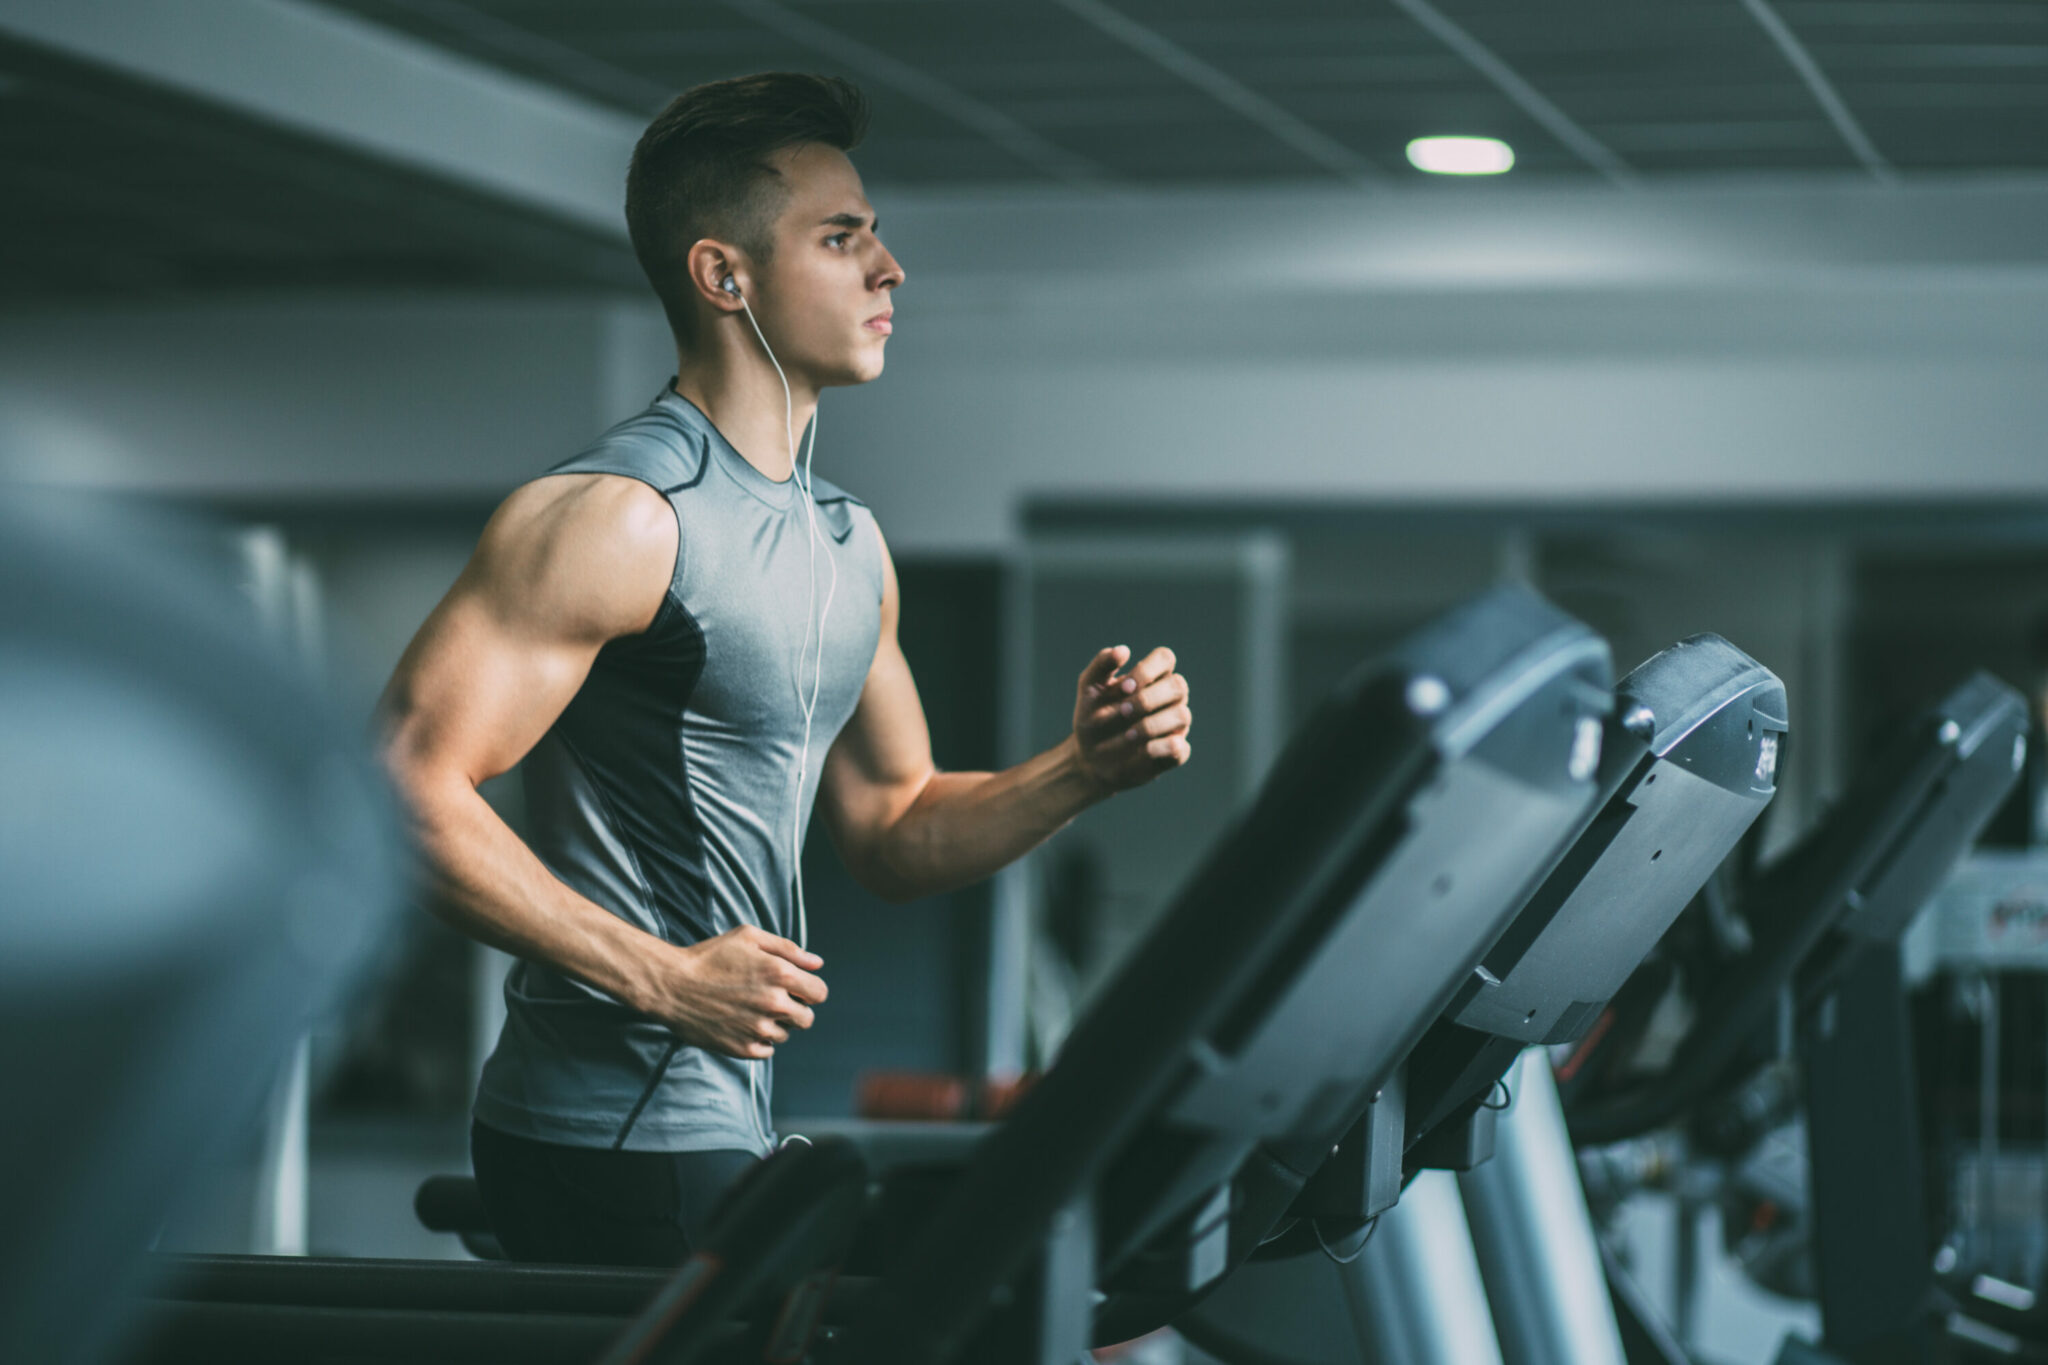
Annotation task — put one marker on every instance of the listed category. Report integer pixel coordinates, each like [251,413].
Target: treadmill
[1688,764]
[200,861]
[1855,881]
[1276,996]
[1872,1246]
[1827,919]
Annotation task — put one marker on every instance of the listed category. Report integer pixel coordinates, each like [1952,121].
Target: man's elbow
[412,780]
[877,876]
[882,847]
[881,865]
[426,790]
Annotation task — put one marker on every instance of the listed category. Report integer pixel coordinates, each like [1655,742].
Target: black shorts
[596,1206]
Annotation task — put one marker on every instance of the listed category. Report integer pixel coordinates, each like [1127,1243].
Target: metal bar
[1527,97]
[308,68]
[1226,90]
[1823,91]
[1987,1118]
[1267,570]
[1865,1164]
[441,1286]
[559,59]
[1065,1286]
[1533,1234]
[1410,1295]
[1644,1336]
[286,597]
[278,1223]
[256,1334]
[1416,1295]
[1685,1267]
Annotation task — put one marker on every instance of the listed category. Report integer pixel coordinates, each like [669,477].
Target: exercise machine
[1799,1027]
[1275,997]
[200,860]
[1688,764]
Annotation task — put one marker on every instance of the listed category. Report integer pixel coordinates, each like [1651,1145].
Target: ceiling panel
[1671,88]
[1366,75]
[1939,86]
[106,185]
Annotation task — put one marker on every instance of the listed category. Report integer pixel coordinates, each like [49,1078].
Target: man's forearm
[490,885]
[965,826]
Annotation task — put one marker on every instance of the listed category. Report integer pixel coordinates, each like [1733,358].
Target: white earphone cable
[809,703]
[802,475]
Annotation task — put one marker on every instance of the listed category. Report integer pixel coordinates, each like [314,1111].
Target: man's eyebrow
[848,220]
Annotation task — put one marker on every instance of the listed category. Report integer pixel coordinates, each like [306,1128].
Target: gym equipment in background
[1687,765]
[199,859]
[1800,1021]
[1858,877]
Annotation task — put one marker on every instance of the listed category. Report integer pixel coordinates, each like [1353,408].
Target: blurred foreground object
[196,857]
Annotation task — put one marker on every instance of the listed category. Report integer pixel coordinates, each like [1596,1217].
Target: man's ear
[711,263]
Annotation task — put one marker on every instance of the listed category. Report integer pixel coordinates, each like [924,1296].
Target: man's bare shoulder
[580,552]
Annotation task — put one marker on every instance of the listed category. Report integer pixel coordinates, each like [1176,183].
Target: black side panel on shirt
[622,725]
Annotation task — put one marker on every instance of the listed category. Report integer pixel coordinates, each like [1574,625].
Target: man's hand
[741,993]
[1131,727]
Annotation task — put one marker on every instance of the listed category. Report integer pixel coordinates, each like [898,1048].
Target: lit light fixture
[1460,155]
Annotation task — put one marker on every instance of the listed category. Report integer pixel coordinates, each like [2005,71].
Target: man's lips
[880,323]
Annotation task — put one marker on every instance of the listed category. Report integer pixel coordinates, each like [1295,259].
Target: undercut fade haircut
[701,169]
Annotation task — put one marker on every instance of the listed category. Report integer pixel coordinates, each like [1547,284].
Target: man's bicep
[557,573]
[890,739]
[477,689]
[883,758]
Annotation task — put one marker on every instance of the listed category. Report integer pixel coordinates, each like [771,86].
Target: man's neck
[737,389]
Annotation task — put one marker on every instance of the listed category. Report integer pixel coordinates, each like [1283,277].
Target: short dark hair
[701,169]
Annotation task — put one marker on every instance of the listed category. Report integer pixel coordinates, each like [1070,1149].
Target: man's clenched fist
[741,993]
[1131,726]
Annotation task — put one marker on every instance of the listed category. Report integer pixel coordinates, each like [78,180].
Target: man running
[688,643]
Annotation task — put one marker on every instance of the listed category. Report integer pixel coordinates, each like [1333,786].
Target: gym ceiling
[114,181]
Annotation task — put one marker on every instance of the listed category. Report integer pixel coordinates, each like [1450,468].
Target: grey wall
[1815,342]
[1506,343]
[287,397]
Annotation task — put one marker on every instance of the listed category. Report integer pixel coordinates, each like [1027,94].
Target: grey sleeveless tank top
[666,790]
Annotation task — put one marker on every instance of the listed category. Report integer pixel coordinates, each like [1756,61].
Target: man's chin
[859,373]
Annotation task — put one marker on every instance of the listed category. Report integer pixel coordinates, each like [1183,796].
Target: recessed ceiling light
[1460,155]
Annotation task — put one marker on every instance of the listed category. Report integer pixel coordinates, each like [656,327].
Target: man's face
[824,298]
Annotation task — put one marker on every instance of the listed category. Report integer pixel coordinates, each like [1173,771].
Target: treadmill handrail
[1809,902]
[1793,908]
[1144,1034]
[1659,706]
